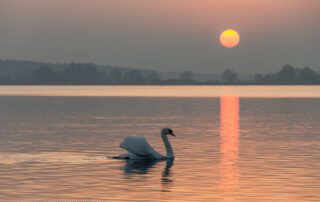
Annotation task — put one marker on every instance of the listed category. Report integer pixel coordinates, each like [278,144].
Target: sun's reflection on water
[229,148]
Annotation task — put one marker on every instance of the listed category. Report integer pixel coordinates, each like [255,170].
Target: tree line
[88,73]
[287,75]
[82,73]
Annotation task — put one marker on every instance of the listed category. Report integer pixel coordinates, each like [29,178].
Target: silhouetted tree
[82,73]
[287,74]
[132,76]
[71,73]
[44,75]
[229,76]
[5,79]
[270,79]
[258,78]
[115,76]
[290,75]
[187,76]
[307,76]
[152,77]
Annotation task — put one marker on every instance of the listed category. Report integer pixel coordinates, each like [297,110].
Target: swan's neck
[169,151]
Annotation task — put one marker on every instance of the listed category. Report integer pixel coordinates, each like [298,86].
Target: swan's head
[168,131]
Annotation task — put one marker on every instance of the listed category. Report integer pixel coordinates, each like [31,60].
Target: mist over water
[228,147]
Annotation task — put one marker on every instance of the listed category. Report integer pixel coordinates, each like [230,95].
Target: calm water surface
[229,147]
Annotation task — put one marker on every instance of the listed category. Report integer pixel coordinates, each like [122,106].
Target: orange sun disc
[230,38]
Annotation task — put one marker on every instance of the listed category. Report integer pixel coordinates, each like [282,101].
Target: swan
[139,148]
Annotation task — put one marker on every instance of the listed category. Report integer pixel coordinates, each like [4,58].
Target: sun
[230,38]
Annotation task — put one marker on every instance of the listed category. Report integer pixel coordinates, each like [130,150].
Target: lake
[234,143]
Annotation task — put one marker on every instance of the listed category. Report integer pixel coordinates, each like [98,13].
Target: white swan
[139,148]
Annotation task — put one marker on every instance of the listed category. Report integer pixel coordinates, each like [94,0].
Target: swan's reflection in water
[144,166]
[134,167]
[229,148]
[166,179]
[139,166]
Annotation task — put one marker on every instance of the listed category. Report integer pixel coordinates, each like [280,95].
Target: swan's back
[139,146]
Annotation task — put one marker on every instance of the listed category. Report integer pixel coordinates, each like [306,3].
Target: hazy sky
[163,34]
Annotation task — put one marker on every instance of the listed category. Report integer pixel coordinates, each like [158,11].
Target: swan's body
[139,148]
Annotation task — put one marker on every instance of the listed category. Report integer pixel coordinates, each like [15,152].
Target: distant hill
[16,68]
[21,68]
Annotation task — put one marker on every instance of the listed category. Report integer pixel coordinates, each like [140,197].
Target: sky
[163,34]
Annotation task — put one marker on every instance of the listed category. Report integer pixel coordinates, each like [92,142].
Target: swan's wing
[139,147]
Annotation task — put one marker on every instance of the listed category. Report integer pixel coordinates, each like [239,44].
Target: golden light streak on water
[229,148]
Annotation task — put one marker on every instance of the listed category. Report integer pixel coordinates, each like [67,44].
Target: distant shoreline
[14,72]
[181,84]
[194,91]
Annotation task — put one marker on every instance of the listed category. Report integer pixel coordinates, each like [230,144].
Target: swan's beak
[172,134]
